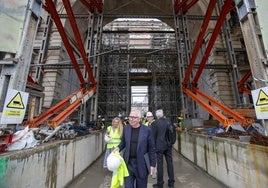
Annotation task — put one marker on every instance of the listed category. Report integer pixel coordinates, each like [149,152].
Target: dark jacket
[159,128]
[145,145]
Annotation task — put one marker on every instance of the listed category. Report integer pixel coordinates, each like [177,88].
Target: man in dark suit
[139,150]
[163,148]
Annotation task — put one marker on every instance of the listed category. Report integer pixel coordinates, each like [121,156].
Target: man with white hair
[138,142]
[163,148]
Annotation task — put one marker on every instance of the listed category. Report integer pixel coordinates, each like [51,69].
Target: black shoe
[157,186]
[171,186]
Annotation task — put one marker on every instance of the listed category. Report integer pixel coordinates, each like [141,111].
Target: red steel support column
[50,112]
[240,84]
[226,8]
[245,122]
[86,4]
[198,44]
[70,109]
[77,35]
[178,5]
[188,6]
[221,118]
[224,108]
[99,5]
[52,10]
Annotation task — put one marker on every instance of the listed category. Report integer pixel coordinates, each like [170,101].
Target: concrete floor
[186,176]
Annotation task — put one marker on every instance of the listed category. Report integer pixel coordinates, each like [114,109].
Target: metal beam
[189,5]
[226,8]
[77,35]
[241,83]
[143,52]
[50,7]
[56,121]
[137,31]
[52,111]
[178,5]
[198,44]
[217,115]
[68,65]
[239,118]
[160,17]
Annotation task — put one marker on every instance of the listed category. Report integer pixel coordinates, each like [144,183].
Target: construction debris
[254,134]
[257,138]
[25,137]
[233,134]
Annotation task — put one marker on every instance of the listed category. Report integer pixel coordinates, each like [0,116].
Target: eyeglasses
[132,117]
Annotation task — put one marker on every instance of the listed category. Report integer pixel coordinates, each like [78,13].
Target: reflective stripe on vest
[115,138]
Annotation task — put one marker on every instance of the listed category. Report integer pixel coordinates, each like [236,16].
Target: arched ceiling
[152,7]
[161,9]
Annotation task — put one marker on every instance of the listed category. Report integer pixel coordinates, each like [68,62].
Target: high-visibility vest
[147,123]
[119,174]
[115,137]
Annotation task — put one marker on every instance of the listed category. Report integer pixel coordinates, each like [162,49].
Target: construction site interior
[84,62]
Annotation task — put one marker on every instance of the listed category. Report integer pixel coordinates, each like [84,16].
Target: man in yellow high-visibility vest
[149,118]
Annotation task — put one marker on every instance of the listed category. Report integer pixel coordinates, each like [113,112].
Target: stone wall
[50,165]
[234,163]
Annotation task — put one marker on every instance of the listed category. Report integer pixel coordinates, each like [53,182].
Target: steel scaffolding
[140,53]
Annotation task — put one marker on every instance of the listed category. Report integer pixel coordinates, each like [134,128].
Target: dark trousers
[134,178]
[160,173]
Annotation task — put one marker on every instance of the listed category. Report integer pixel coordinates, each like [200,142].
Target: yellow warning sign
[262,98]
[16,102]
[262,109]
[14,113]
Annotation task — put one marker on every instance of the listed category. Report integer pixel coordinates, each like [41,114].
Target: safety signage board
[14,107]
[260,100]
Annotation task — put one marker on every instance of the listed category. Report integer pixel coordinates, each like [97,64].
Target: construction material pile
[24,137]
[254,134]
[254,138]
[257,138]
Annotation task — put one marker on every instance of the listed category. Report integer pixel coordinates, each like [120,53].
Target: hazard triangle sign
[14,107]
[16,102]
[260,99]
